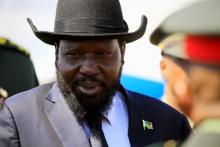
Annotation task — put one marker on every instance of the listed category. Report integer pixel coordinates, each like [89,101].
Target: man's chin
[94,105]
[93,101]
[88,99]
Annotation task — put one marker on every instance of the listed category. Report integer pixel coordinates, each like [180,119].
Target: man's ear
[164,68]
[163,64]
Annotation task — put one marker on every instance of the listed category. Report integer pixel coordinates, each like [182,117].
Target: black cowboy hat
[82,19]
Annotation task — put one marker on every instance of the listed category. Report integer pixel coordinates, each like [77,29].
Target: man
[199,50]
[17,71]
[171,71]
[87,106]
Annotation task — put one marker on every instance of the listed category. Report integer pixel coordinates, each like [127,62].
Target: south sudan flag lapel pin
[147,125]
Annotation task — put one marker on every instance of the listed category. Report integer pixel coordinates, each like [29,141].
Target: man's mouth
[90,87]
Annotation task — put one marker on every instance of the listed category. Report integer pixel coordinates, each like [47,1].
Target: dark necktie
[97,138]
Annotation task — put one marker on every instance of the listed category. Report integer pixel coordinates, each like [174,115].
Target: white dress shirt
[115,126]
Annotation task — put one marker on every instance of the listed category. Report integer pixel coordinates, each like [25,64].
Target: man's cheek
[210,93]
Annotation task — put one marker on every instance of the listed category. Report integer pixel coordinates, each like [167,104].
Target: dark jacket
[167,123]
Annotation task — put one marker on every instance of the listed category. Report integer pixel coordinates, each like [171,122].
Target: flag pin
[147,125]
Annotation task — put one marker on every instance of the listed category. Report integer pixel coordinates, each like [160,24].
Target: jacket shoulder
[155,105]
[171,123]
[25,98]
[148,101]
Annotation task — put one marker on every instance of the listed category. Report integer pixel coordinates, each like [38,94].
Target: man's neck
[201,112]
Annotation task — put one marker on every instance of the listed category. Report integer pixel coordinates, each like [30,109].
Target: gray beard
[74,103]
[70,98]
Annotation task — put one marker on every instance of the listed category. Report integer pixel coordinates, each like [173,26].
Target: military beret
[200,18]
[192,33]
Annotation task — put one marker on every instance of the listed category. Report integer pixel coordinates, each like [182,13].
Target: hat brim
[52,37]
[176,52]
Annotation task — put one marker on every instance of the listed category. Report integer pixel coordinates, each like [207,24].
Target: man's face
[177,80]
[172,72]
[92,69]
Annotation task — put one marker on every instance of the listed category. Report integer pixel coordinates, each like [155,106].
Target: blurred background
[141,71]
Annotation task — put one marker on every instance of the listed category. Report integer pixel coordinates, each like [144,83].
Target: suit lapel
[65,124]
[138,112]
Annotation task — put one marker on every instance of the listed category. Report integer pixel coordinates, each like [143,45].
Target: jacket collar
[138,111]
[63,121]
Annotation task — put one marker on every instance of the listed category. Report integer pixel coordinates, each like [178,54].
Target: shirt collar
[116,102]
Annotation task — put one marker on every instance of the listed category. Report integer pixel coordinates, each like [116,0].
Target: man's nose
[89,67]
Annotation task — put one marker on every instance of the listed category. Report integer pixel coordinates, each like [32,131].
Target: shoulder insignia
[2,41]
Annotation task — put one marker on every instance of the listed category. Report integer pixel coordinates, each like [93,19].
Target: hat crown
[89,16]
[87,19]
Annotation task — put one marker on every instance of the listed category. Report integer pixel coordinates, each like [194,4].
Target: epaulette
[9,44]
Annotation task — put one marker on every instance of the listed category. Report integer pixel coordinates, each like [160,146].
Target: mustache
[82,79]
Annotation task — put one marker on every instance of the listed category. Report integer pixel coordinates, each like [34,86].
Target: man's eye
[76,54]
[104,53]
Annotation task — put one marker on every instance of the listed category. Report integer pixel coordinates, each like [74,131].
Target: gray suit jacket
[48,121]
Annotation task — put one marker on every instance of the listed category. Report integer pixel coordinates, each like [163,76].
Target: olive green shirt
[206,134]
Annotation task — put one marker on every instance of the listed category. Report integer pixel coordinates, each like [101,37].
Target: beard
[81,103]
[70,98]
